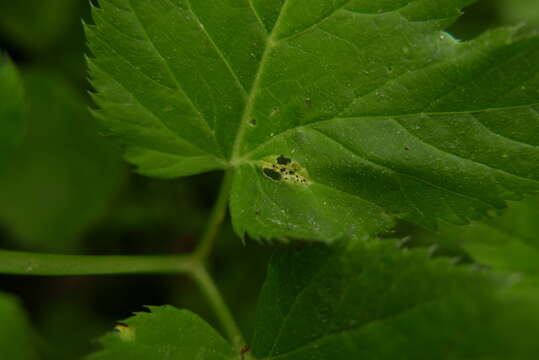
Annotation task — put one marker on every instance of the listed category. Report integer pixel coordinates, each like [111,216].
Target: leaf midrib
[349,329]
[247,112]
[271,42]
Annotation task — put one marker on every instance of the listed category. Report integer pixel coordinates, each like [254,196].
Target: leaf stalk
[208,286]
[28,263]
[216,218]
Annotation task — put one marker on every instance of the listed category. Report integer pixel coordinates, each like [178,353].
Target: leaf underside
[365,301]
[387,114]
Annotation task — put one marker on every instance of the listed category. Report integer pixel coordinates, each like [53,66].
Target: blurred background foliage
[67,190]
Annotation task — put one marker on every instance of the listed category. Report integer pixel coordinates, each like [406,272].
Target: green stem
[201,253]
[25,263]
[217,216]
[218,304]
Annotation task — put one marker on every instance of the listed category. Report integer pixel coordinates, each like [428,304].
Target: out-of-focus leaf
[152,205]
[65,174]
[509,243]
[11,109]
[17,339]
[520,11]
[35,24]
[334,114]
[69,329]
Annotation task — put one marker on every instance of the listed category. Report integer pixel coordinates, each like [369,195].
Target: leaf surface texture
[380,112]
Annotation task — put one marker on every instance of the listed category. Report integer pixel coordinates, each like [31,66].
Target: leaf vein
[295,303]
[257,15]
[433,146]
[325,18]
[480,74]
[381,117]
[347,330]
[150,111]
[377,164]
[217,49]
[269,45]
[167,67]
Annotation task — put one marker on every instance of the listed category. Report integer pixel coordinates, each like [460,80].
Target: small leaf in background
[65,175]
[166,333]
[17,339]
[359,301]
[11,109]
[520,11]
[336,115]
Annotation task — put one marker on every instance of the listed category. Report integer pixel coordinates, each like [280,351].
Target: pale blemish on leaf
[283,169]
[126,333]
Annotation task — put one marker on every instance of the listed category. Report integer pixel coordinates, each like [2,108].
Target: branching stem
[201,254]
[27,263]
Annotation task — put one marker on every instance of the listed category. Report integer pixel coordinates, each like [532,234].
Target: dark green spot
[281,160]
[272,174]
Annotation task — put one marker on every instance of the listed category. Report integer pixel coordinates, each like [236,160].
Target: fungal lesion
[283,169]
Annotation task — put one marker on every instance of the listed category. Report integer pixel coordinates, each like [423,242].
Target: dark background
[68,191]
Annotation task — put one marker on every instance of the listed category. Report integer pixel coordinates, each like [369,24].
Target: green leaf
[16,336]
[11,109]
[64,176]
[165,334]
[374,301]
[335,114]
[360,301]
